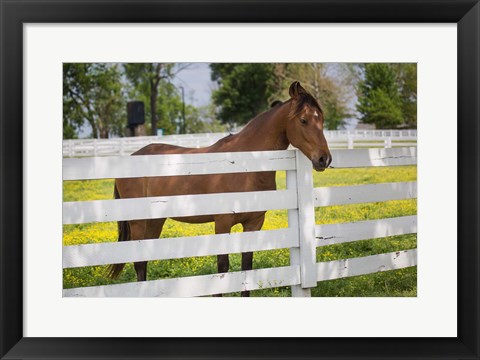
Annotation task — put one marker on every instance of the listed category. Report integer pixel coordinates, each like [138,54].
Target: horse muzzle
[321,163]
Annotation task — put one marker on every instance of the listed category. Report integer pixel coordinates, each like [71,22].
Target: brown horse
[298,121]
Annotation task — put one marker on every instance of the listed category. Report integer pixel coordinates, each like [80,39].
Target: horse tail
[114,270]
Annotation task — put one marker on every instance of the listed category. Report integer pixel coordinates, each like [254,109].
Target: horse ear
[296,89]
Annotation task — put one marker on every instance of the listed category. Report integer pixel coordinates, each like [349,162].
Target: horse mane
[306,99]
[225,139]
[275,103]
[303,99]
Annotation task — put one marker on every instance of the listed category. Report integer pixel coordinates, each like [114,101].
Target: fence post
[122,147]
[350,142]
[388,142]
[297,290]
[304,220]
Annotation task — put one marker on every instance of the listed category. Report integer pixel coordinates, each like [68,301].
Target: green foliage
[70,129]
[202,120]
[243,90]
[92,93]
[247,89]
[328,83]
[391,283]
[169,108]
[407,82]
[152,84]
[387,95]
[379,102]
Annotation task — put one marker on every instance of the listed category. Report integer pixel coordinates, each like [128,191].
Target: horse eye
[303,121]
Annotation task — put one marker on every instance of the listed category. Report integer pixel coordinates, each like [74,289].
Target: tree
[328,83]
[244,90]
[379,100]
[92,93]
[148,80]
[407,83]
[168,108]
[202,120]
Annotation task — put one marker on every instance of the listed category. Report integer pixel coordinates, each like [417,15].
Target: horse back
[192,184]
[158,149]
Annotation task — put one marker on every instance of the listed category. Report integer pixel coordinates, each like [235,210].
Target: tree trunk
[153,109]
[94,129]
[103,134]
[153,95]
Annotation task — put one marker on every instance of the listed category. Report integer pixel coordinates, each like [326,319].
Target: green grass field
[390,283]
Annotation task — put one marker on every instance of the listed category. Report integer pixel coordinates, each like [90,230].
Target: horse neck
[267,131]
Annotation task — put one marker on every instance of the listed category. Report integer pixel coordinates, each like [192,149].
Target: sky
[197,84]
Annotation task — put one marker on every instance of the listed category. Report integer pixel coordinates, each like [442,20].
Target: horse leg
[223,224]
[145,229]
[253,224]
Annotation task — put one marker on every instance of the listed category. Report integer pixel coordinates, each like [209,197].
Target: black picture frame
[466,13]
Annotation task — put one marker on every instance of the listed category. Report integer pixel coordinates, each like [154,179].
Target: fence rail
[200,285]
[174,248]
[302,236]
[170,165]
[336,138]
[331,234]
[81,212]
[366,265]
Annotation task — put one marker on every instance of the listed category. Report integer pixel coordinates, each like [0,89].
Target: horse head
[305,127]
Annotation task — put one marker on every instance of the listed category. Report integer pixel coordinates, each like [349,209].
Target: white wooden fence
[336,138]
[372,133]
[302,236]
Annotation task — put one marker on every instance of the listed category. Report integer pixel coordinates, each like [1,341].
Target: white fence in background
[371,133]
[302,236]
[349,139]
